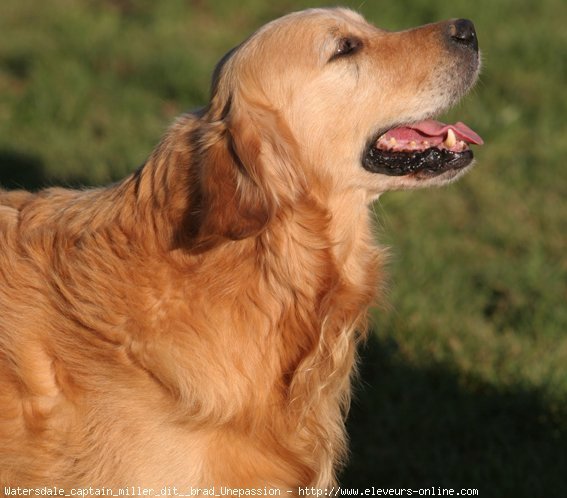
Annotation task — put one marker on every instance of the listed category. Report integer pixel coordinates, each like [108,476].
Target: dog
[196,324]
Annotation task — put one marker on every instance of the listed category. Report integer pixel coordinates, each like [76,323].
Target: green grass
[465,378]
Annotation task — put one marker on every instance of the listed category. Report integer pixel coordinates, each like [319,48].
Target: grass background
[464,380]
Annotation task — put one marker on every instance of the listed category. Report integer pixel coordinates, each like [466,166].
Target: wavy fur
[196,324]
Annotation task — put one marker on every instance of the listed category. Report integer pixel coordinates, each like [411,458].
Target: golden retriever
[195,325]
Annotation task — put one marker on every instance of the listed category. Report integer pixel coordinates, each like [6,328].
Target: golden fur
[196,324]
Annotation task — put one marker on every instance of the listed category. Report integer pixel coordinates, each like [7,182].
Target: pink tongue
[436,130]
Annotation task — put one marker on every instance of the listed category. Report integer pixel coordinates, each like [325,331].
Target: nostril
[462,32]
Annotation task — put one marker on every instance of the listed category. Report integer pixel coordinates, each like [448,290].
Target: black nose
[463,33]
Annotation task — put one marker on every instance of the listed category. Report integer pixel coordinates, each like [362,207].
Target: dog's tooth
[393,141]
[425,143]
[451,139]
[413,143]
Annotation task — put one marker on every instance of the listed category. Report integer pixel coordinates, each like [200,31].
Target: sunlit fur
[196,324]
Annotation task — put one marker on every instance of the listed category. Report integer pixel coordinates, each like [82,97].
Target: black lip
[432,161]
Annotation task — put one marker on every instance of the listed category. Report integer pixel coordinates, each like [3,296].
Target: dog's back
[73,394]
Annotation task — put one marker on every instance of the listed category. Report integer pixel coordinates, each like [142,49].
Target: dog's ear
[235,201]
[247,157]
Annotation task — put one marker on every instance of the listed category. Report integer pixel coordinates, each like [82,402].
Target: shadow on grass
[418,428]
[19,170]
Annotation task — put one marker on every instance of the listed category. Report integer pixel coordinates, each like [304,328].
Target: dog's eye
[347,46]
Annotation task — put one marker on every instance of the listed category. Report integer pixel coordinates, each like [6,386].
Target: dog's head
[321,99]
